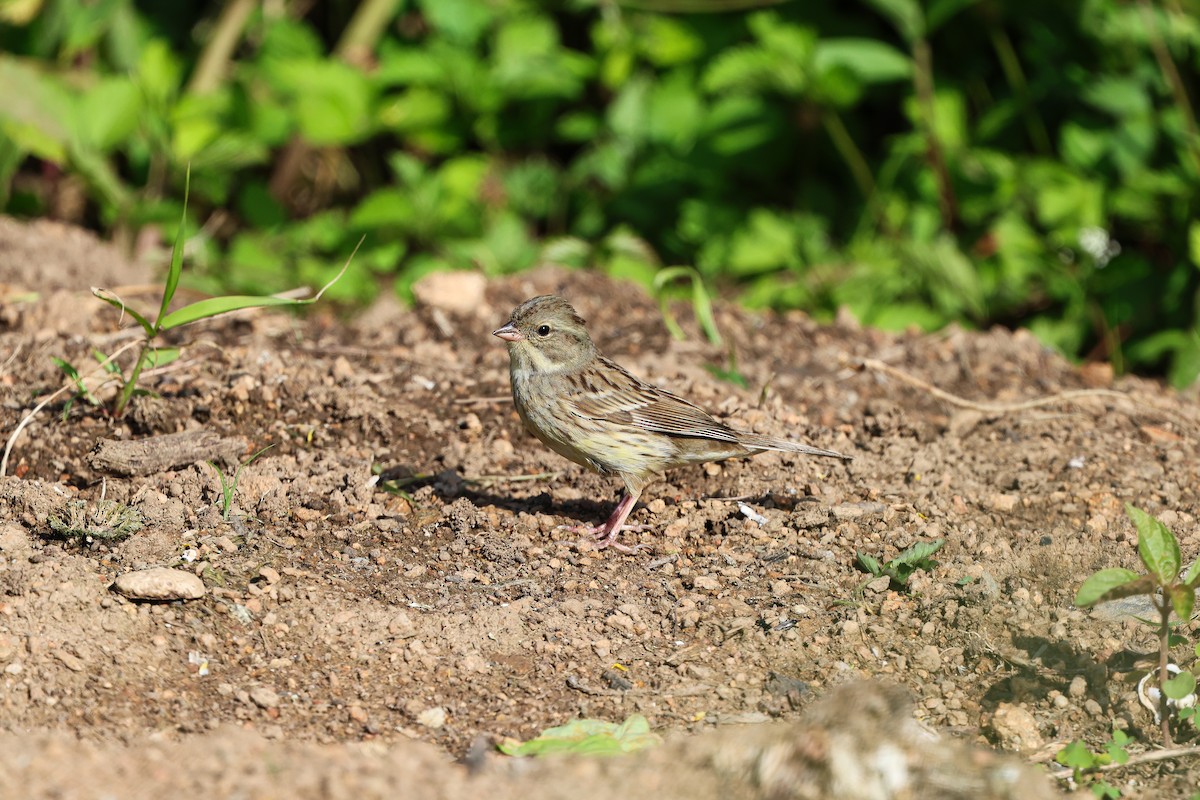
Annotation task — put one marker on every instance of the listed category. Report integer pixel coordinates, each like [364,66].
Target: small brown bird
[590,410]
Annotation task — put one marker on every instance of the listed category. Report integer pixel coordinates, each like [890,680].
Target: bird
[594,412]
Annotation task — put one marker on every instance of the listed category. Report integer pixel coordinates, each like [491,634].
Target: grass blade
[176,268]
[113,300]
[215,306]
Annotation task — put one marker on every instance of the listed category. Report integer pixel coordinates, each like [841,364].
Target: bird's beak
[508,333]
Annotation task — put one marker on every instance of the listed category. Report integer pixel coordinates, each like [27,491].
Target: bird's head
[545,334]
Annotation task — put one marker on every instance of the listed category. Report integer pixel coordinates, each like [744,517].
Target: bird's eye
[543,330]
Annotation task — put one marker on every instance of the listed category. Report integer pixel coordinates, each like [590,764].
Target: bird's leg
[606,534]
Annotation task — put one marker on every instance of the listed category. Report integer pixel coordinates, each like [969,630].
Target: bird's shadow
[448,486]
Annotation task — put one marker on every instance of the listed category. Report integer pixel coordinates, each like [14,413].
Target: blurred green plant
[589,737]
[917,163]
[1085,764]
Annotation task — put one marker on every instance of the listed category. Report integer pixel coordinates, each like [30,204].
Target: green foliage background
[1023,163]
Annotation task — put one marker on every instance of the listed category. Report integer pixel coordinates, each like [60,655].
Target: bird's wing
[608,393]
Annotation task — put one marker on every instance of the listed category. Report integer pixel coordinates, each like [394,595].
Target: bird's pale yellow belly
[604,447]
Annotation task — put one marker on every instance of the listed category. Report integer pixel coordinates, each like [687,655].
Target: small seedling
[104,521]
[701,304]
[81,390]
[1168,588]
[149,354]
[1085,763]
[903,566]
[229,485]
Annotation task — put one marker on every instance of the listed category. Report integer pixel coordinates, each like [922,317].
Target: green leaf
[1123,97]
[1110,584]
[333,101]
[1157,546]
[107,113]
[1076,756]
[870,60]
[870,563]
[1180,686]
[36,111]
[161,356]
[73,374]
[415,109]
[918,553]
[118,303]
[214,306]
[1116,746]
[1183,598]
[463,21]
[666,41]
[905,15]
[1193,572]
[674,112]
[587,737]
[701,304]
[1194,243]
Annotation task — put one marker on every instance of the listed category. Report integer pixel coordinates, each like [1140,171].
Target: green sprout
[229,484]
[148,353]
[903,566]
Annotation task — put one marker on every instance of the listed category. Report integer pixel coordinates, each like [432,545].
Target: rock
[14,541]
[1125,608]
[8,647]
[160,583]
[1016,729]
[928,658]
[963,422]
[880,584]
[432,718]
[1004,502]
[454,292]
[264,697]
[1079,687]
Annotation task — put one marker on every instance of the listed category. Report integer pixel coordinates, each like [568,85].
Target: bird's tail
[757,442]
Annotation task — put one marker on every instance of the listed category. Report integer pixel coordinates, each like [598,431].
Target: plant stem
[214,60]
[1164,636]
[1171,74]
[1011,64]
[131,384]
[927,121]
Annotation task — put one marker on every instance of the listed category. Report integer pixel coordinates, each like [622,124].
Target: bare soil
[394,569]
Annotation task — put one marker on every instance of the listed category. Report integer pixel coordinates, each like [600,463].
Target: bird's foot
[601,537]
[608,538]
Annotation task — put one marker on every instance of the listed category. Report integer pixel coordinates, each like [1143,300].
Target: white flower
[1099,245]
